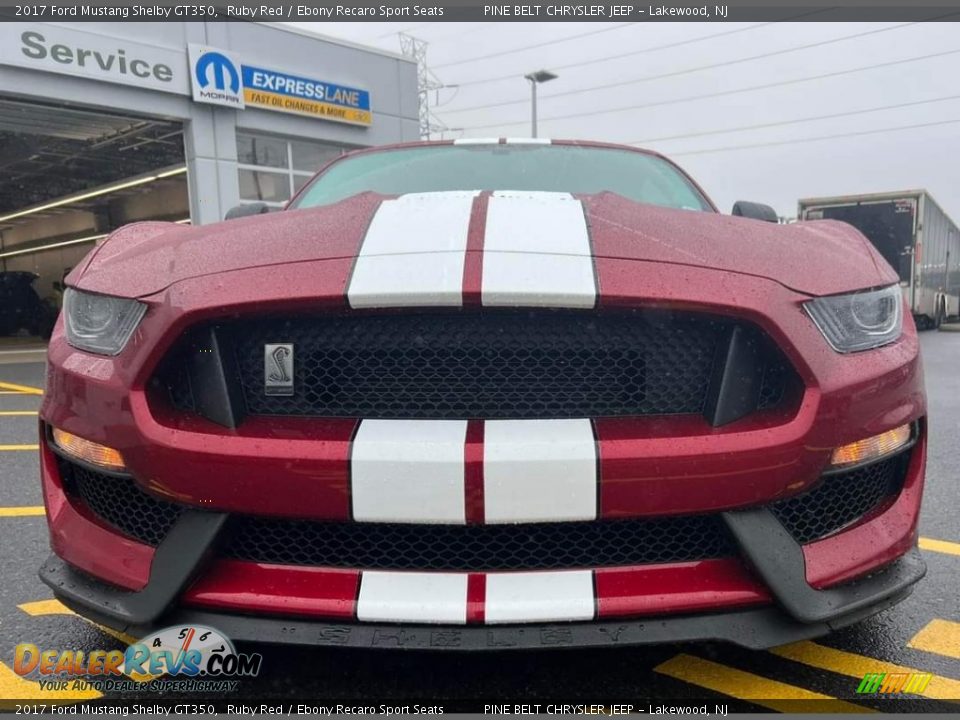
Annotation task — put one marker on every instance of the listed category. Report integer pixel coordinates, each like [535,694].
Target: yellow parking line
[41,608]
[940,546]
[13,686]
[24,389]
[939,636]
[747,686]
[17,413]
[856,666]
[14,448]
[24,511]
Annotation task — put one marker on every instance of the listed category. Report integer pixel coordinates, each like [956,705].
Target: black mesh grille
[178,384]
[480,547]
[833,505]
[494,364]
[777,377]
[121,503]
[840,500]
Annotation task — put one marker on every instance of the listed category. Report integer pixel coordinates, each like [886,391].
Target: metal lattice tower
[416,49]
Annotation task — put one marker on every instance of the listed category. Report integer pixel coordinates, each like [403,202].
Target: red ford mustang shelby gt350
[485,394]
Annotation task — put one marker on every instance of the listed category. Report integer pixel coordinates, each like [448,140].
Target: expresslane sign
[293,94]
[219,78]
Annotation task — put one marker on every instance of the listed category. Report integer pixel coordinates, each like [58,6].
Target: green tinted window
[552,168]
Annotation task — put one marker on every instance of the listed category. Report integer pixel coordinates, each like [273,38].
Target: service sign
[219,78]
[92,55]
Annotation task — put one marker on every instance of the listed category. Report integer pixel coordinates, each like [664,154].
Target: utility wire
[618,56]
[555,41]
[642,51]
[723,93]
[404,30]
[472,28]
[796,121]
[687,71]
[818,138]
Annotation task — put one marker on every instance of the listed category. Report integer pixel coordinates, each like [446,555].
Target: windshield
[552,168]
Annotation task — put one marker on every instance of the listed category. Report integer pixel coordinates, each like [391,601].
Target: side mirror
[754,211]
[239,211]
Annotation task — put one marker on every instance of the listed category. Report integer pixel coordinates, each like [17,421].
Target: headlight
[100,323]
[860,321]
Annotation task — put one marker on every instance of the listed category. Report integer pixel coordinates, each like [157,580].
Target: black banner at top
[472,10]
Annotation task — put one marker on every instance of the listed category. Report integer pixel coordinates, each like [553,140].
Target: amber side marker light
[871,448]
[91,452]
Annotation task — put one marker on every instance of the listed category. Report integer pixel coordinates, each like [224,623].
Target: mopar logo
[216,77]
[222,70]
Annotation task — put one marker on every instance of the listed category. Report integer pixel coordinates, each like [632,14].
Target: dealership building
[104,124]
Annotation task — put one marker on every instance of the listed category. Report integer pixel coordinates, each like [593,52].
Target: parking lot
[920,635]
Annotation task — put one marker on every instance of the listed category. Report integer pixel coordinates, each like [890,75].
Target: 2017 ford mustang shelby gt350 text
[485,394]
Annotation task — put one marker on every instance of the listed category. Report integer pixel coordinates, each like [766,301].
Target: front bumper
[804,612]
[288,468]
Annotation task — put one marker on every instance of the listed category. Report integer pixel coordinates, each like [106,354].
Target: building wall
[210,131]
[170,202]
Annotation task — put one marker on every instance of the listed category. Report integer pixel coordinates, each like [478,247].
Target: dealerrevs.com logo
[192,658]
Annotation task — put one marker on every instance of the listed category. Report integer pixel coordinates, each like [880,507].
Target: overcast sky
[654,83]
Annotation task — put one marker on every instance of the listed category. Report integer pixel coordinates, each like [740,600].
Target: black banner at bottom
[386,707]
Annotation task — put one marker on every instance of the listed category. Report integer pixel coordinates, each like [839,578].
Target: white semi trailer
[915,236]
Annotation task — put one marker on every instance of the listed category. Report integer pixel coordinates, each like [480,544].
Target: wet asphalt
[712,673]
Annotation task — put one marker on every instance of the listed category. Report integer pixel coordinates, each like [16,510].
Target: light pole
[535,78]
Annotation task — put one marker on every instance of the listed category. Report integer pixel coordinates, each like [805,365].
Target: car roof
[505,141]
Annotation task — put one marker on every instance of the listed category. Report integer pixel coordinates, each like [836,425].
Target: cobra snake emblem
[280,375]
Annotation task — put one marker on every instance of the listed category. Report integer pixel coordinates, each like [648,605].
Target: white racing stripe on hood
[413,252]
[537,252]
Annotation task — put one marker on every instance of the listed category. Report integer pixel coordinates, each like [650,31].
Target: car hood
[815,258]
